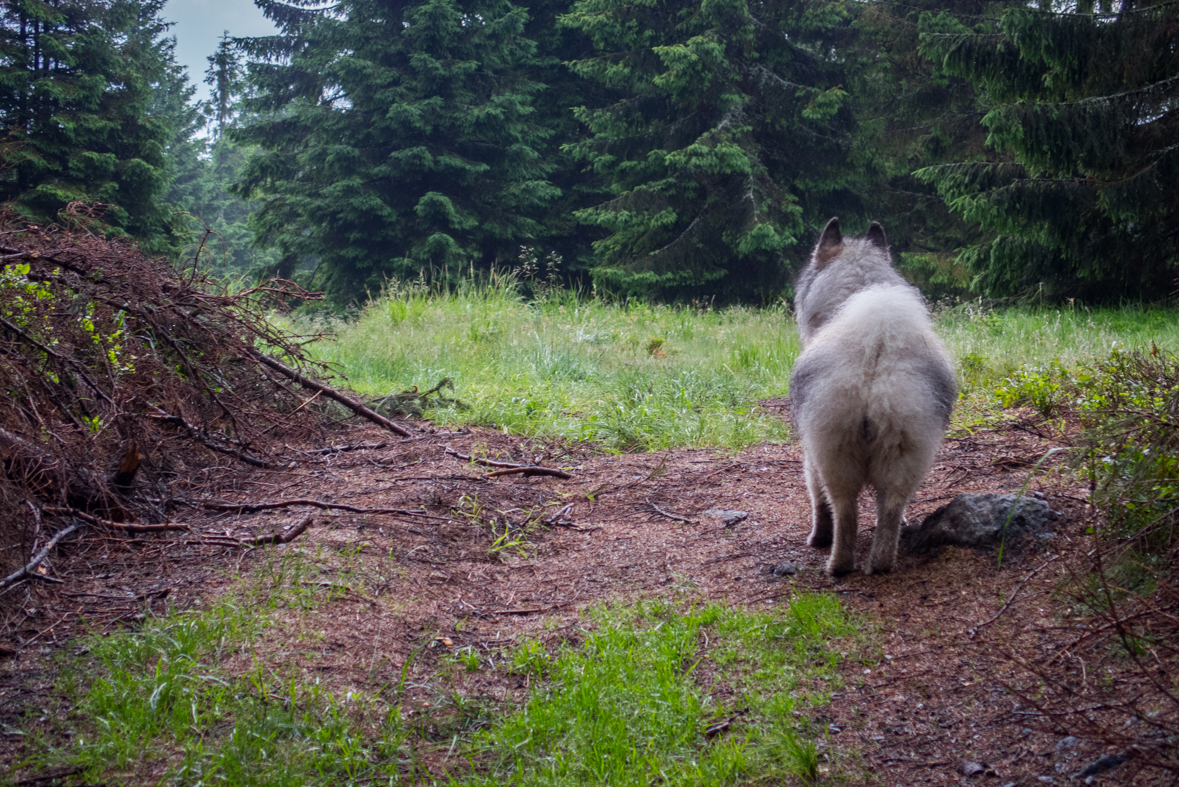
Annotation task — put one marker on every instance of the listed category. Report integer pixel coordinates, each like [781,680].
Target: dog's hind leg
[890,513]
[845,507]
[821,521]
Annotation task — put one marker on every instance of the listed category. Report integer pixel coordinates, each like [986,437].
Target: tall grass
[640,377]
[632,377]
[990,346]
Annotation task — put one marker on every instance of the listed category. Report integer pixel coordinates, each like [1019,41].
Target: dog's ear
[831,236]
[876,236]
[830,243]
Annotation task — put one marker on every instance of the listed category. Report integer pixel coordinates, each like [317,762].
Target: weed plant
[1129,405]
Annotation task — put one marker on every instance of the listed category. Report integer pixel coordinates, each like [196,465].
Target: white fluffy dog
[871,393]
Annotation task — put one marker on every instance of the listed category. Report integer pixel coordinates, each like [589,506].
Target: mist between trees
[665,150]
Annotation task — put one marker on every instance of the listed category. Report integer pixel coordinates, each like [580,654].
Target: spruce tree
[225,77]
[208,169]
[726,144]
[1079,192]
[396,137]
[77,103]
[911,116]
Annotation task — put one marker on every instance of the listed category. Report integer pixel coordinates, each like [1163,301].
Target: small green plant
[505,536]
[1128,404]
[20,297]
[799,755]
[1045,389]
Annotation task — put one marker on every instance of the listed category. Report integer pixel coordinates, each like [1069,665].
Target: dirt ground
[955,630]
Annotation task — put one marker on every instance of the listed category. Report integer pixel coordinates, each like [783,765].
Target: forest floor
[946,633]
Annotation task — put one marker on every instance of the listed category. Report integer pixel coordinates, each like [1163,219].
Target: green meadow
[642,377]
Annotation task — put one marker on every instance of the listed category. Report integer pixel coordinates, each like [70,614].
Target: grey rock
[785,570]
[727,517]
[980,521]
[1067,743]
[1102,764]
[968,768]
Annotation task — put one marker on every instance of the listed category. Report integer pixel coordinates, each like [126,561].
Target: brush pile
[125,377]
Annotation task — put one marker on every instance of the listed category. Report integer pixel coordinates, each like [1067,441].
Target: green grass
[639,377]
[631,378]
[710,696]
[202,697]
[992,346]
[207,697]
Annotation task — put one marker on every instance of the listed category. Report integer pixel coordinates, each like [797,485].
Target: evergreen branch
[1066,14]
[1112,96]
[682,237]
[769,76]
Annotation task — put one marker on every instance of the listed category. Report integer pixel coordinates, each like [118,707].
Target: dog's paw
[877,569]
[819,540]
[841,568]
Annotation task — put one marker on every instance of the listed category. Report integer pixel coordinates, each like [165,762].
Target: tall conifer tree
[399,136]
[1087,105]
[910,115]
[82,118]
[728,137]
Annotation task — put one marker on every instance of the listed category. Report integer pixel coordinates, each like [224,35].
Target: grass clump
[632,377]
[705,697]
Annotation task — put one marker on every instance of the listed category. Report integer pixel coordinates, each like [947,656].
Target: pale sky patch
[198,27]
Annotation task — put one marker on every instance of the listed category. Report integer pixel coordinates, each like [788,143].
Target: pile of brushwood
[124,379]
[1111,675]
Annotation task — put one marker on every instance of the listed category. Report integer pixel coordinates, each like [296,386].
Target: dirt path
[412,586]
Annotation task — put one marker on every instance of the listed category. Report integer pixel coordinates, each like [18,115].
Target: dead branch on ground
[509,468]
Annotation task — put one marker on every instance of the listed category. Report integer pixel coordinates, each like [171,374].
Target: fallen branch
[328,391]
[479,460]
[200,437]
[340,449]
[529,610]
[973,630]
[558,516]
[531,470]
[412,402]
[509,468]
[28,569]
[557,519]
[279,538]
[250,508]
[99,521]
[671,516]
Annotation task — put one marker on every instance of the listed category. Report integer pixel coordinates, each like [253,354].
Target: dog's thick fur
[871,393]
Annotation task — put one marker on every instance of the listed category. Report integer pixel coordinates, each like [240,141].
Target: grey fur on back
[871,392]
